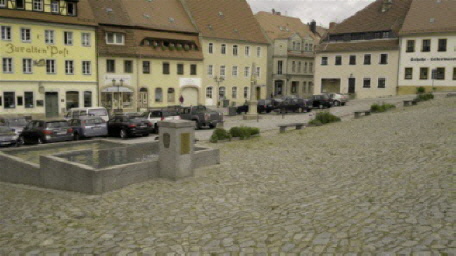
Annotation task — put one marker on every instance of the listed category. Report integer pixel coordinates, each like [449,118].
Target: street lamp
[253,104]
[218,80]
[118,91]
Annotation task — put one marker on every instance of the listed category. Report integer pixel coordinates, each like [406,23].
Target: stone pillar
[176,149]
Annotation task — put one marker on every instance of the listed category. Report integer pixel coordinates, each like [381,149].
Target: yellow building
[48,55]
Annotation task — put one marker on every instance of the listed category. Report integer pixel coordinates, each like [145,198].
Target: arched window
[158,95]
[234,93]
[246,92]
[209,92]
[171,95]
[222,92]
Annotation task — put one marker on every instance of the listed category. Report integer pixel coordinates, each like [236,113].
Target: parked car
[201,116]
[129,126]
[88,126]
[264,106]
[338,99]
[40,131]
[293,104]
[321,101]
[16,124]
[75,113]
[155,116]
[8,137]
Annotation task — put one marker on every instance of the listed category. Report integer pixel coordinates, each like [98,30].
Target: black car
[293,104]
[129,126]
[264,106]
[321,101]
[40,131]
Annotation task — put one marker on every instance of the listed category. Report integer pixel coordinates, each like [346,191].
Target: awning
[117,89]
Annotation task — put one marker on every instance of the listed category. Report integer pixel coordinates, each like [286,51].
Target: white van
[75,113]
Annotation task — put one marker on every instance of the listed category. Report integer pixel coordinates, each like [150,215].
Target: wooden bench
[298,126]
[365,112]
[410,103]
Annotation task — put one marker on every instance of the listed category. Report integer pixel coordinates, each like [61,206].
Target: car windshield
[157,114]
[98,112]
[57,124]
[4,129]
[200,109]
[17,122]
[94,121]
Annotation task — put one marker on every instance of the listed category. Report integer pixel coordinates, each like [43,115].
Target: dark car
[293,104]
[86,127]
[8,137]
[321,101]
[39,131]
[129,126]
[264,106]
[201,116]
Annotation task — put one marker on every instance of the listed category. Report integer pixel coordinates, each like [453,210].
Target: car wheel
[336,103]
[343,103]
[211,126]
[146,135]
[39,141]
[321,106]
[20,141]
[76,136]
[123,134]
[156,129]
[197,126]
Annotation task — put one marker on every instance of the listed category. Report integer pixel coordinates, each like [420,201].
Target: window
[426,45]
[115,38]
[69,67]
[110,66]
[235,50]
[367,83]
[311,67]
[211,48]
[158,95]
[234,93]
[383,59]
[28,96]
[424,73]
[246,92]
[324,61]
[305,67]
[367,59]
[49,37]
[294,87]
[247,71]
[86,68]
[9,99]
[128,66]
[440,74]
[55,6]
[2,3]
[166,68]
[338,60]
[50,66]
[352,59]
[454,73]
[27,66]
[410,46]
[26,35]
[247,51]
[299,67]
[68,38]
[293,66]
[234,71]
[442,45]
[209,92]
[279,67]
[193,70]
[20,100]
[223,49]
[72,100]
[87,99]
[258,51]
[408,73]
[7,65]
[6,33]
[146,67]
[222,92]
[86,39]
[71,9]
[210,70]
[258,71]
[222,71]
[180,69]
[385,34]
[381,83]
[38,5]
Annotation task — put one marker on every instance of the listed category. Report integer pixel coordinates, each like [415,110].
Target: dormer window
[38,5]
[55,6]
[115,38]
[71,9]
[2,3]
[19,4]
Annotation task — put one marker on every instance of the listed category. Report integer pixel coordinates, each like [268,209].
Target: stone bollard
[176,149]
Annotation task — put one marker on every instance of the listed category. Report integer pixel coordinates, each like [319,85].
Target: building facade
[290,54]
[360,56]
[233,48]
[428,47]
[48,55]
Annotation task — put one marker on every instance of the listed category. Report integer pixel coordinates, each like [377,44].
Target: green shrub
[220,134]
[420,90]
[243,132]
[376,108]
[315,122]
[324,118]
[424,97]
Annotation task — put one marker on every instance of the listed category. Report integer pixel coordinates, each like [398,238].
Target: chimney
[386,5]
[313,26]
[332,25]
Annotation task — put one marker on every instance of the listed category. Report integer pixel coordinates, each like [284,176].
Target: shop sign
[49,50]
[189,81]
[433,59]
[126,79]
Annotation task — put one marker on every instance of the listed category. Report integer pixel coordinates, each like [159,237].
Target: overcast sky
[322,11]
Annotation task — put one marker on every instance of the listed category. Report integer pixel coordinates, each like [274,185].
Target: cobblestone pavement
[379,185]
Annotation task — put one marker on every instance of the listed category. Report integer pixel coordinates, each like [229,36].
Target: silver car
[7,137]
[16,124]
[86,127]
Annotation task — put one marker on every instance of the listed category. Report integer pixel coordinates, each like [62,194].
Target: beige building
[290,54]
[149,55]
[360,56]
[233,45]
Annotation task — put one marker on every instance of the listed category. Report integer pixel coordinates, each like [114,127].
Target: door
[351,85]
[190,95]
[143,98]
[52,104]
